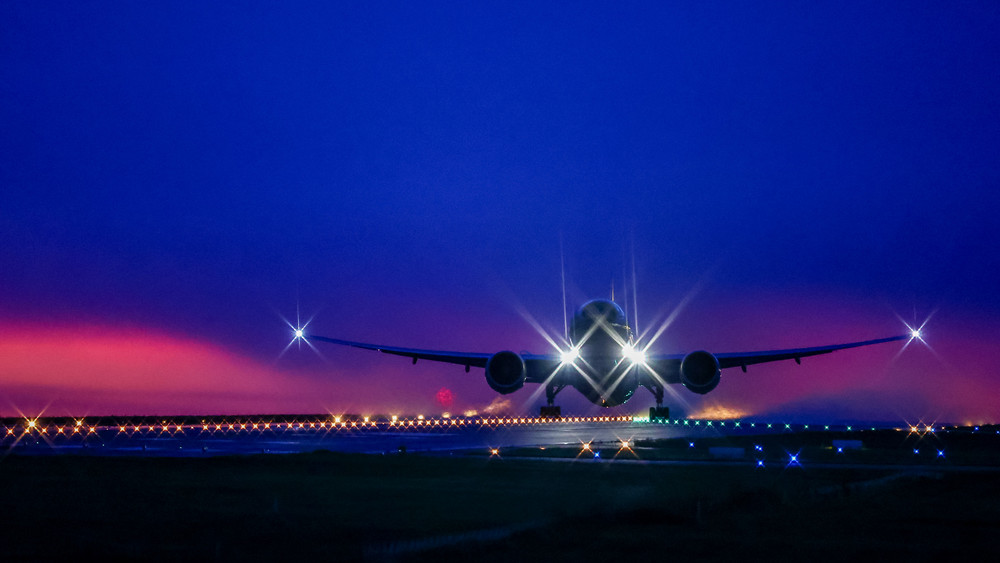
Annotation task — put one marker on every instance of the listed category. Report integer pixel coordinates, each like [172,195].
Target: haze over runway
[178,181]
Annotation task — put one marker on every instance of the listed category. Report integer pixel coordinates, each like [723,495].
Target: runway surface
[251,435]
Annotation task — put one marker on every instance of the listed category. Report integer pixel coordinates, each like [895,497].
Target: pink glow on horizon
[94,370]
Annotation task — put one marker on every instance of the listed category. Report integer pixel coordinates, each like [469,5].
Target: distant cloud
[97,370]
[499,405]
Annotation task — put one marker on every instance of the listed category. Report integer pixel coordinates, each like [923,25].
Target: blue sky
[407,172]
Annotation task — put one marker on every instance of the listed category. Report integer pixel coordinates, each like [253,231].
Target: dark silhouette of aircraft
[604,362]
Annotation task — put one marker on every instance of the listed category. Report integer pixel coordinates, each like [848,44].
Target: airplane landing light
[634,354]
[568,356]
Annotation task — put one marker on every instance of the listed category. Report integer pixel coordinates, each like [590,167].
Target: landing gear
[659,412]
[551,410]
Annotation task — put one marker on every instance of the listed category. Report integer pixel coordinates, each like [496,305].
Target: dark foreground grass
[328,506]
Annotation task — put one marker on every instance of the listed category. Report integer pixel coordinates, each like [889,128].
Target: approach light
[299,334]
[915,333]
[569,356]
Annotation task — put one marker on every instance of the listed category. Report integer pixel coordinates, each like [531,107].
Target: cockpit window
[603,313]
[602,309]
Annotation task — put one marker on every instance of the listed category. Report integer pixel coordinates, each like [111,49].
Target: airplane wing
[461,358]
[744,359]
[467,359]
[667,366]
[540,365]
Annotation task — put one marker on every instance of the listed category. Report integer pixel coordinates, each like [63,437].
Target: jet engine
[700,372]
[505,372]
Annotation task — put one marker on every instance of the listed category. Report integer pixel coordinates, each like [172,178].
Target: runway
[211,436]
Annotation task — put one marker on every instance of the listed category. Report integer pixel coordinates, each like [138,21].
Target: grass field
[329,506]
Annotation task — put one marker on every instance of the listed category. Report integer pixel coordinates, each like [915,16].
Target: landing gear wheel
[659,413]
[551,412]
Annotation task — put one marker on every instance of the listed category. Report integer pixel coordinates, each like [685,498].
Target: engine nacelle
[505,372]
[700,372]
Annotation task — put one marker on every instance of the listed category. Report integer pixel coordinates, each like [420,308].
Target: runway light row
[81,426]
[337,422]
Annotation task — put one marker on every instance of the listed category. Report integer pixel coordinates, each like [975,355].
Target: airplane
[604,362]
